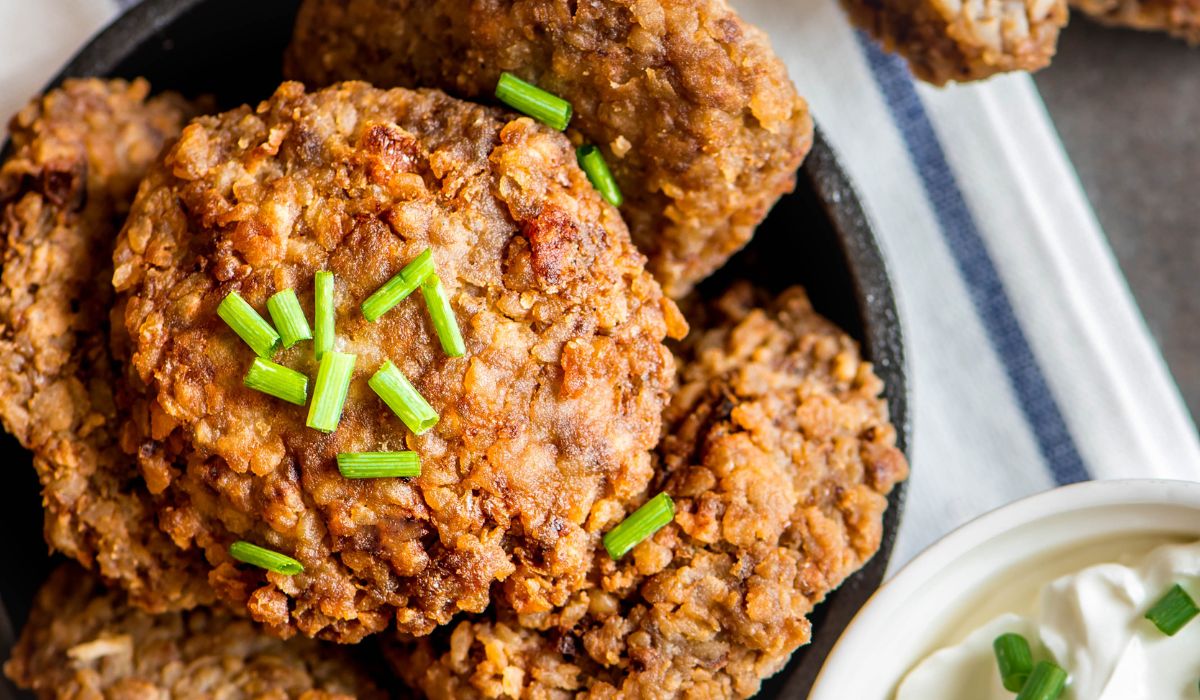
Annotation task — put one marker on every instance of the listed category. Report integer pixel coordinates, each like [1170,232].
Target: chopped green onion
[264,558]
[377,465]
[248,324]
[323,312]
[278,381]
[444,322]
[1045,683]
[329,395]
[593,163]
[289,317]
[397,288]
[551,110]
[1015,660]
[404,400]
[642,523]
[1173,611]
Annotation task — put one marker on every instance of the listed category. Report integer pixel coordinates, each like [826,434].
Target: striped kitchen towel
[1030,365]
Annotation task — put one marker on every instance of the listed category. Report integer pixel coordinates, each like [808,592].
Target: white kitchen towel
[1030,365]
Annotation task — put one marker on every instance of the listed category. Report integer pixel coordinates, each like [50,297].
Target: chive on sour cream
[1090,623]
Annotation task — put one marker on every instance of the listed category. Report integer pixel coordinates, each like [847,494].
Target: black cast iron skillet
[817,237]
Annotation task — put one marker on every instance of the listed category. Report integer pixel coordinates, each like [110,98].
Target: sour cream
[1090,623]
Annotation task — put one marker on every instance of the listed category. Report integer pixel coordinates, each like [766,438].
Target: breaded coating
[779,456]
[77,156]
[1179,18]
[952,40]
[693,111]
[84,642]
[545,424]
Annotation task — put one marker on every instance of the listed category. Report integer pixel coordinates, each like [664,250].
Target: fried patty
[1179,18]
[545,424]
[954,41]
[84,641]
[693,111]
[779,455]
[77,156]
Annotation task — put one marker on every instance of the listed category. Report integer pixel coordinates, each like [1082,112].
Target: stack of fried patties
[128,220]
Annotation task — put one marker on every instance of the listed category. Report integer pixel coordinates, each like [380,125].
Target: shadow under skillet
[817,237]
[1127,106]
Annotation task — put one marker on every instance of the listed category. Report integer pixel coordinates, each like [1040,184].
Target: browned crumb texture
[1180,18]
[78,154]
[83,642]
[546,423]
[695,114]
[956,40]
[779,455]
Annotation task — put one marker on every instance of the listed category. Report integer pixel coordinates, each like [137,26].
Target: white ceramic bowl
[979,570]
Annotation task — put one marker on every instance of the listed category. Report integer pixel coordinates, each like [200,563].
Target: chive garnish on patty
[591,160]
[444,322]
[403,398]
[323,313]
[264,558]
[531,100]
[640,524]
[288,317]
[378,465]
[278,381]
[249,325]
[398,287]
[329,394]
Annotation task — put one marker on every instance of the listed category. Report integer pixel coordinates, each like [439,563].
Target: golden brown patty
[693,111]
[1180,18]
[78,155]
[779,456]
[83,641]
[952,40]
[545,424]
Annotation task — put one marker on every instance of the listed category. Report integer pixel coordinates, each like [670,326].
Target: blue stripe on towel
[976,266]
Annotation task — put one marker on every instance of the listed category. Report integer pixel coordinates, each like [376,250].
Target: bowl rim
[979,532]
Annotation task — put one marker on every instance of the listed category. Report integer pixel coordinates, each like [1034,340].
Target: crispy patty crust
[693,111]
[1179,18]
[77,156]
[83,641]
[779,456]
[953,41]
[546,422]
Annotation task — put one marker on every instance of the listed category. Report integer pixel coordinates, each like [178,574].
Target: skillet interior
[817,237]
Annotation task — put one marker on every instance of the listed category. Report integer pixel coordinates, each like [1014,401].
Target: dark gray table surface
[1127,106]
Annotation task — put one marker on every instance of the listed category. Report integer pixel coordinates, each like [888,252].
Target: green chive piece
[264,558]
[1172,611]
[378,465]
[289,317]
[403,398]
[397,288]
[1015,659]
[529,99]
[329,395]
[642,523]
[278,381]
[1046,682]
[593,163]
[323,313]
[444,322]
[248,324]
